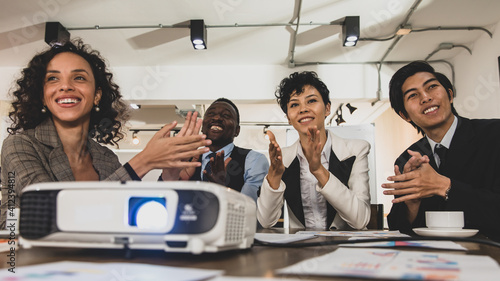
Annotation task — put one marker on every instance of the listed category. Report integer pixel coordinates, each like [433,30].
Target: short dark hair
[231,104]
[295,84]
[398,79]
[105,125]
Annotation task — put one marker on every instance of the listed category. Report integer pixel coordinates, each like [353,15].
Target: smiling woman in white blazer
[322,177]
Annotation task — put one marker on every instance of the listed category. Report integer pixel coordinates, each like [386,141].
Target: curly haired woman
[65,105]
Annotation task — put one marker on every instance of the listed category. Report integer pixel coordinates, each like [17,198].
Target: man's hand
[413,205]
[218,166]
[415,161]
[416,184]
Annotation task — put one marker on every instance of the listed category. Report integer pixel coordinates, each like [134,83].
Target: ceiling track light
[135,138]
[265,129]
[198,34]
[339,118]
[56,34]
[351,108]
[350,31]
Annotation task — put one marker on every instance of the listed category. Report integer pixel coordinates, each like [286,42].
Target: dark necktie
[208,167]
[441,152]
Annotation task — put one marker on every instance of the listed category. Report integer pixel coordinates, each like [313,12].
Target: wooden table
[256,261]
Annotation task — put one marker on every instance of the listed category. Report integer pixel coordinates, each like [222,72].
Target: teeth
[430,109]
[216,128]
[305,120]
[67,101]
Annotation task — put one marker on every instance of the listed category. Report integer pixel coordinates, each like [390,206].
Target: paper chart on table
[282,238]
[394,264]
[443,245]
[84,271]
[394,233]
[239,278]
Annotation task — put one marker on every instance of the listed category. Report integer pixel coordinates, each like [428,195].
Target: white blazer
[352,204]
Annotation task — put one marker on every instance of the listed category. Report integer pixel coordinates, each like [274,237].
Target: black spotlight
[350,31]
[339,120]
[198,34]
[351,108]
[56,33]
[265,129]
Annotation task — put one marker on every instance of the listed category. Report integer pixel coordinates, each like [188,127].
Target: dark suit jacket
[473,165]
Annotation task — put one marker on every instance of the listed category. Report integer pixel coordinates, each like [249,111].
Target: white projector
[184,216]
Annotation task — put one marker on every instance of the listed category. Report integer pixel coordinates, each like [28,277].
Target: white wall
[203,84]
[392,136]
[477,83]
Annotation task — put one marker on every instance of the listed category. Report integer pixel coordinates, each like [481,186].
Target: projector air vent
[38,214]
[235,225]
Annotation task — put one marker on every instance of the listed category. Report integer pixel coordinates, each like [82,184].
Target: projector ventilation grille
[235,224]
[38,215]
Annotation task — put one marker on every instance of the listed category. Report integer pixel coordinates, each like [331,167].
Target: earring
[96,108]
[44,109]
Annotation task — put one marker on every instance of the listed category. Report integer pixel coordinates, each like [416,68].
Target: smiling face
[69,89]
[307,109]
[220,124]
[427,102]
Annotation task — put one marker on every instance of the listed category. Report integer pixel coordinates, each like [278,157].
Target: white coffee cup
[442,220]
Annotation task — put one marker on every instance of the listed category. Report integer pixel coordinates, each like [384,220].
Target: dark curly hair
[105,125]
[295,84]
[396,95]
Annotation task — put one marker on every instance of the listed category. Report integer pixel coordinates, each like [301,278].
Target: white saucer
[424,231]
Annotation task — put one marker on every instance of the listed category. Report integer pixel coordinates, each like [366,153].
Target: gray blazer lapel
[46,133]
[101,159]
[59,164]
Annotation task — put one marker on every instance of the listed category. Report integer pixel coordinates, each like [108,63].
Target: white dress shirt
[313,202]
[446,141]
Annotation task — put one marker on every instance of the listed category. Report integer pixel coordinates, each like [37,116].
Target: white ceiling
[22,29]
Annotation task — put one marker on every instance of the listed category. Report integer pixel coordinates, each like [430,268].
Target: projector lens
[151,215]
[148,213]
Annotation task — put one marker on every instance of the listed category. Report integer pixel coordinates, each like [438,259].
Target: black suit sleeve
[481,206]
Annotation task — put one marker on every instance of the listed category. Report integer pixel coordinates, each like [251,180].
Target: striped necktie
[208,167]
[441,151]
